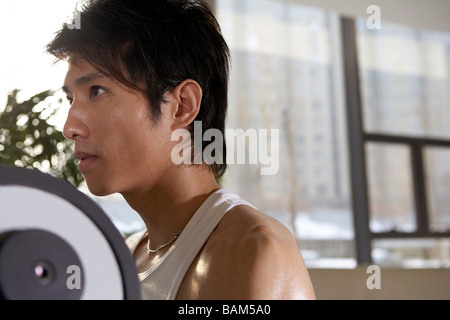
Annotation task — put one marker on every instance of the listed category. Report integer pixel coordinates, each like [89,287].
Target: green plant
[27,139]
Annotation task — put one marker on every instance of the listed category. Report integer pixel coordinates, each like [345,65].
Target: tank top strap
[162,280]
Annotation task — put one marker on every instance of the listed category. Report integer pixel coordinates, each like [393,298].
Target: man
[139,70]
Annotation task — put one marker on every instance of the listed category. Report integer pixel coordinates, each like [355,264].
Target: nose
[76,123]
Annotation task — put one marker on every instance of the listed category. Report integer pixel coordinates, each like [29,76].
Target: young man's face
[119,147]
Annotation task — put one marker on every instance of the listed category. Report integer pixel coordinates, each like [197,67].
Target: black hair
[152,46]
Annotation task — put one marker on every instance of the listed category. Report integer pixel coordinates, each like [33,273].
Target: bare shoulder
[251,255]
[245,223]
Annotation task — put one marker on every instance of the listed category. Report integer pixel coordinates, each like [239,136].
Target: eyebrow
[84,80]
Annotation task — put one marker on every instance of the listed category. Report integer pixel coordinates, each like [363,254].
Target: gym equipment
[58,244]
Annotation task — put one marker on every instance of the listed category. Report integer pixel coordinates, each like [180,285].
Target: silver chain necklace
[164,245]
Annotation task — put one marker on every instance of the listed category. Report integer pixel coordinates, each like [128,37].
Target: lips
[86,160]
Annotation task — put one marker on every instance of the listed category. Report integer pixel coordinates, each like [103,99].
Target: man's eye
[70,100]
[97,91]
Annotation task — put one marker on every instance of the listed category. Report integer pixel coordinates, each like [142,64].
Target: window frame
[358,138]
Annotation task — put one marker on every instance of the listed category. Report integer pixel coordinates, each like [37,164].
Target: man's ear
[185,100]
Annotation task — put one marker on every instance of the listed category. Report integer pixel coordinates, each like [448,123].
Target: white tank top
[162,280]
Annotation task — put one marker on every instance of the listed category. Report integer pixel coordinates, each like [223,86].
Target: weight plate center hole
[43,273]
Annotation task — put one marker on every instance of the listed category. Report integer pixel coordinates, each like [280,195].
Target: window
[391,203]
[364,131]
[437,167]
[405,124]
[404,80]
[284,71]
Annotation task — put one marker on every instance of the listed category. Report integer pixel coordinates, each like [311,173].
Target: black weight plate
[16,176]
[34,265]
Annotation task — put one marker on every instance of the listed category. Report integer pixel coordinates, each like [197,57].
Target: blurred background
[362,102]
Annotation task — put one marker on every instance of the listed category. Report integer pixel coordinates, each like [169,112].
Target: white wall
[426,14]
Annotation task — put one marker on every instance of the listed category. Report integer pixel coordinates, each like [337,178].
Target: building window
[404,80]
[367,107]
[284,73]
[390,186]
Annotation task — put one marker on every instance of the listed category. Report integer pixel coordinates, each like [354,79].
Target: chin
[99,190]
[100,193]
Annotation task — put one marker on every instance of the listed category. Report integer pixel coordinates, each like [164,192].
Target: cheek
[126,128]
[137,144]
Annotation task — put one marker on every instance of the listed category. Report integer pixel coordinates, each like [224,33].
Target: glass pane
[437,170]
[405,76]
[390,186]
[411,253]
[283,78]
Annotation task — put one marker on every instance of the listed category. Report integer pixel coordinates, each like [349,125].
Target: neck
[166,207]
